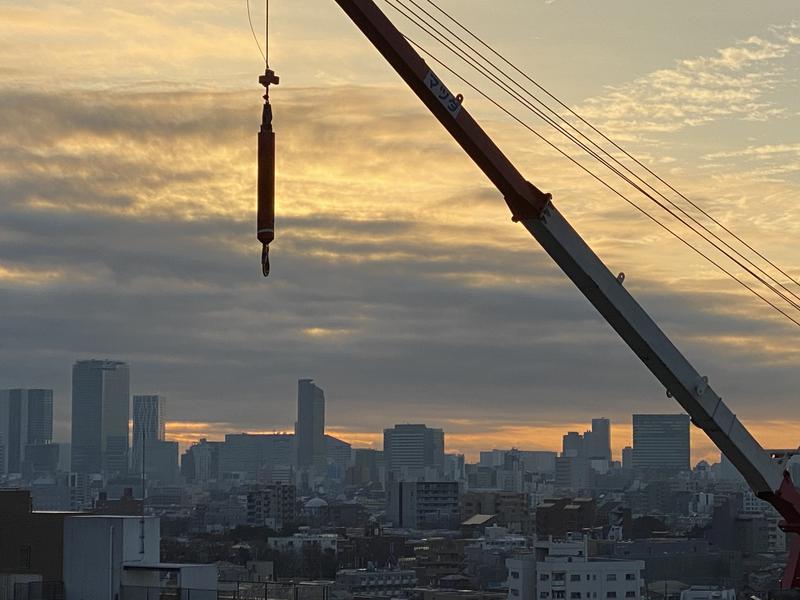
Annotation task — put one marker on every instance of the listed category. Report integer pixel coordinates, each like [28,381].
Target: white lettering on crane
[447,99]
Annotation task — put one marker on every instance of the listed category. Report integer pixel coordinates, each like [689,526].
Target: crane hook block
[266,174]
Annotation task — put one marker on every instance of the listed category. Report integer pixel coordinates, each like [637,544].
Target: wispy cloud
[736,83]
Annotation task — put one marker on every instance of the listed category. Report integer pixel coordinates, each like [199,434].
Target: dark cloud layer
[125,231]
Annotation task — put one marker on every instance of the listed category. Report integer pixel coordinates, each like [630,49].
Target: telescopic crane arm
[535,210]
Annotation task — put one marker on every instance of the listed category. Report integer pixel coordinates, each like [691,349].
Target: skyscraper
[100,413]
[26,421]
[599,444]
[661,442]
[309,429]
[412,450]
[149,422]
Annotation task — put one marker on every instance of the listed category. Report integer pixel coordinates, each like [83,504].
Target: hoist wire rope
[500,72]
[658,222]
[253,31]
[593,154]
[599,179]
[612,142]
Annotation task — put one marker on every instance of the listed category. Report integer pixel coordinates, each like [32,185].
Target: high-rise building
[26,424]
[339,456]
[599,444]
[572,445]
[200,462]
[100,414]
[368,466]
[149,423]
[310,426]
[627,457]
[661,442]
[413,451]
[249,457]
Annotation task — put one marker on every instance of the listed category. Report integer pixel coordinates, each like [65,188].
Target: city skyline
[448,298]
[379,288]
[545,436]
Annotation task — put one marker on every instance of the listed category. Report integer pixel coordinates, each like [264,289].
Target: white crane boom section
[681,380]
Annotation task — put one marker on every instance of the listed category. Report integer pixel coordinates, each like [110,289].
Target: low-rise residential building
[375,583]
[299,541]
[511,508]
[424,504]
[579,578]
[704,592]
[272,505]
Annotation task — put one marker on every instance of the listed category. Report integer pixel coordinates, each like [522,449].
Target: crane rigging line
[599,179]
[625,178]
[616,171]
[253,31]
[481,69]
[604,183]
[494,79]
[609,140]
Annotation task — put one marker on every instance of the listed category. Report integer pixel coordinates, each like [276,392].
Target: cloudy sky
[127,186]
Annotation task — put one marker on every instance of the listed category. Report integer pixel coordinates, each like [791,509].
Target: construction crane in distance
[766,474]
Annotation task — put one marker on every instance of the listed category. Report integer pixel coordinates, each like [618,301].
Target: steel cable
[471,62]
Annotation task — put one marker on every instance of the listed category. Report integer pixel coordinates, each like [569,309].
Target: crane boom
[535,210]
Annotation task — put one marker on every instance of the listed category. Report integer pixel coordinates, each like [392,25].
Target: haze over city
[485,431]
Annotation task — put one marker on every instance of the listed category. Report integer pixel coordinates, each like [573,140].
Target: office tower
[161,462]
[339,456]
[413,451]
[251,457]
[26,425]
[310,426]
[149,422]
[100,413]
[661,442]
[599,444]
[200,462]
[627,457]
[368,467]
[572,445]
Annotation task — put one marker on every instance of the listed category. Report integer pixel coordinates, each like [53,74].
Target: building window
[630,594]
[630,576]
[611,594]
[544,594]
[514,592]
[611,577]
[544,577]
[514,574]
[575,595]
[575,577]
[559,576]
[557,594]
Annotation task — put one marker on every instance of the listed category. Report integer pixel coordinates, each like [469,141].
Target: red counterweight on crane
[266,174]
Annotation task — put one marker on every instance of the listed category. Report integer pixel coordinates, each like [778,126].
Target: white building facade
[579,578]
[574,578]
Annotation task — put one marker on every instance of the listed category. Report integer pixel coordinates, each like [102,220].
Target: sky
[399,283]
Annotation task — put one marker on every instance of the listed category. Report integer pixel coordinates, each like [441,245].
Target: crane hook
[265,260]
